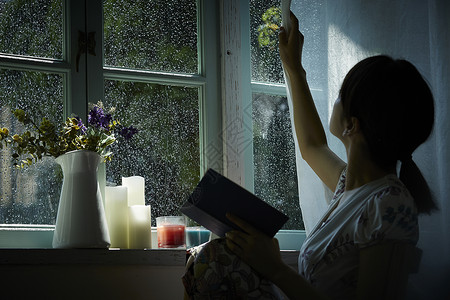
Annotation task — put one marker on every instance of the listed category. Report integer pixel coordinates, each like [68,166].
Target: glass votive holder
[196,235]
[171,231]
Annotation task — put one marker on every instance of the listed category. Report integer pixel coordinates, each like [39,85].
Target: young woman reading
[383,113]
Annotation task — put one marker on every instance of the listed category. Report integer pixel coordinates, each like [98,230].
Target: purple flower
[128,132]
[81,125]
[98,118]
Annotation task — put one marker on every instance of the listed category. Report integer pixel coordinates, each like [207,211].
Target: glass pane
[30,195]
[274,157]
[157,35]
[32,28]
[265,19]
[166,149]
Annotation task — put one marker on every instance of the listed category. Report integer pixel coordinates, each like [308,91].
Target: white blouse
[382,210]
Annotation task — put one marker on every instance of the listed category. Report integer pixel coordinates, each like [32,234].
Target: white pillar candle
[116,207]
[139,227]
[136,189]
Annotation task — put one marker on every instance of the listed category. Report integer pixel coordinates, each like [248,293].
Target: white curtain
[338,34]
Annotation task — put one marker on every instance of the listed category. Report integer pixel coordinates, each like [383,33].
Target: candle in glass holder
[196,235]
[116,208]
[139,227]
[136,189]
[171,232]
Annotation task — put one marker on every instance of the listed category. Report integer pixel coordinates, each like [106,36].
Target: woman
[384,112]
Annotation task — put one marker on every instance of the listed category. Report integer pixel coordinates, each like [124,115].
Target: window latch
[86,44]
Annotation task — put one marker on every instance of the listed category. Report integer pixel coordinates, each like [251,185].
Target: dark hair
[395,108]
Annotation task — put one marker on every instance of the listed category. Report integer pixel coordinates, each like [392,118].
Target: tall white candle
[139,227]
[136,189]
[116,208]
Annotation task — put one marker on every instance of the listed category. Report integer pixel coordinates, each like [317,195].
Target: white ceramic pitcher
[81,221]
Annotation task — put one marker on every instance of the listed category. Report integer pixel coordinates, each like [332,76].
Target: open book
[216,195]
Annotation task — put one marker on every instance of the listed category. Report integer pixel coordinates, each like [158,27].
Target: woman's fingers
[237,237]
[283,36]
[257,249]
[291,45]
[294,22]
[260,252]
[242,224]
[231,243]
[237,242]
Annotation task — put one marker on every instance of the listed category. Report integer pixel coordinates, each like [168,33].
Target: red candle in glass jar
[171,232]
[171,236]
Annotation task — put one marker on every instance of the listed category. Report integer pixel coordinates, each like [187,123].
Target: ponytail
[414,181]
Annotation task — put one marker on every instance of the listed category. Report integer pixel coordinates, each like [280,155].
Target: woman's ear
[352,127]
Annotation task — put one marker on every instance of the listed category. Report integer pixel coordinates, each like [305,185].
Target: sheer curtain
[340,33]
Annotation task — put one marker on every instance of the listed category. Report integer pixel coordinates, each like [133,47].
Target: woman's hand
[291,47]
[257,249]
[262,253]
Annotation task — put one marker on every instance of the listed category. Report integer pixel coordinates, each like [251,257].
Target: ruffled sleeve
[389,215]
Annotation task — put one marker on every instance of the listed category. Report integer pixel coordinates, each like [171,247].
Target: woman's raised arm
[308,127]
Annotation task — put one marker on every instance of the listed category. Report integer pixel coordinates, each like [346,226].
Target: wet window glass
[265,21]
[29,195]
[166,149]
[32,28]
[274,157]
[159,35]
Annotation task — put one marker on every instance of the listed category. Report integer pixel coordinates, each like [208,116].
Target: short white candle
[139,227]
[116,207]
[136,189]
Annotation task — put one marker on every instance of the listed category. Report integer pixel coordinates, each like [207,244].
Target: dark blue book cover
[216,195]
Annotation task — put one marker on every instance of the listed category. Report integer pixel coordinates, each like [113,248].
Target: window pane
[30,195]
[31,28]
[265,19]
[157,35]
[274,157]
[166,150]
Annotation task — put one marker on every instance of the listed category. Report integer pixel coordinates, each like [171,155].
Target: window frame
[79,87]
[223,81]
[238,87]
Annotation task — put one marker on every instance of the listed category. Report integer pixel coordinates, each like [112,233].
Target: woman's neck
[361,169]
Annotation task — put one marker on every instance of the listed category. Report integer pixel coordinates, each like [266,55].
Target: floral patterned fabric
[214,272]
[380,211]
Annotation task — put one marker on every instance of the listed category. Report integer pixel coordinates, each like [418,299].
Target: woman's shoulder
[391,191]
[389,214]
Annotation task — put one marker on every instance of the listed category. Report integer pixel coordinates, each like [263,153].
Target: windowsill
[31,245]
[41,236]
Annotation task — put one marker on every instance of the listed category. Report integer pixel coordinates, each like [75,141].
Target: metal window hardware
[86,44]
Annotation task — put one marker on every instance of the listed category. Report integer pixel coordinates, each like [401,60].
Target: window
[158,64]
[142,39]
[275,173]
[148,63]
[33,77]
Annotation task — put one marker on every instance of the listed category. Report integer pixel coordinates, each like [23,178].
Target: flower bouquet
[78,149]
[45,139]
